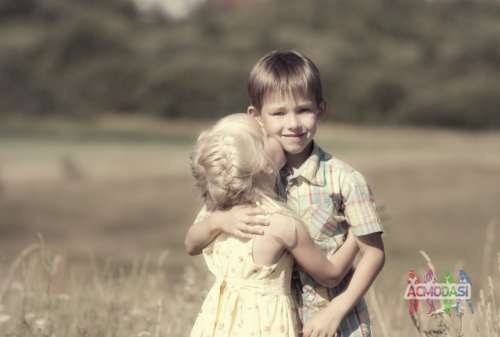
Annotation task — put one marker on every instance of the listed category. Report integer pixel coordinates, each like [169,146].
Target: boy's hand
[324,323]
[243,221]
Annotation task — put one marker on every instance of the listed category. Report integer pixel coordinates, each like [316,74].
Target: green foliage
[399,61]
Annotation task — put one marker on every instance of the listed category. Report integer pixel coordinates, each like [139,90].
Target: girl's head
[234,162]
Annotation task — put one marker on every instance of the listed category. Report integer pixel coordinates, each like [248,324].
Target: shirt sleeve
[359,206]
[201,215]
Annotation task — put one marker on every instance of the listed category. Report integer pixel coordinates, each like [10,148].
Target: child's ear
[322,110]
[254,112]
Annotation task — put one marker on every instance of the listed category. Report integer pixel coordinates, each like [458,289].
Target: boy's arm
[360,212]
[372,260]
[240,221]
[201,233]
[369,266]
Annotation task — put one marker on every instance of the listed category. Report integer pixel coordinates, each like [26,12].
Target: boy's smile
[292,120]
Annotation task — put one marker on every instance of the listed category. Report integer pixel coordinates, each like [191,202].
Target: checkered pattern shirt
[330,196]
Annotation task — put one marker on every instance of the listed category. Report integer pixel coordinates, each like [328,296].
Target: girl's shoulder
[283,227]
[283,222]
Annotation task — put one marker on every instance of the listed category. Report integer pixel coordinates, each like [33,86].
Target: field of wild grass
[93,216]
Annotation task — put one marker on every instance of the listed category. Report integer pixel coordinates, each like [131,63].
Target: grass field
[110,197]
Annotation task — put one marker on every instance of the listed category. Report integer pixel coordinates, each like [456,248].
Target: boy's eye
[277,113]
[305,109]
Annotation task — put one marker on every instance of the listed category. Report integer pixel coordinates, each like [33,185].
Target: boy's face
[292,120]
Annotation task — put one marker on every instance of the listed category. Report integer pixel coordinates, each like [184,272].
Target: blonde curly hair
[228,163]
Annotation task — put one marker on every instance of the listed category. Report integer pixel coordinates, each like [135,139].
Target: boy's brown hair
[288,72]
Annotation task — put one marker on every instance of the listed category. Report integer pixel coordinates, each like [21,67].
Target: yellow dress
[247,299]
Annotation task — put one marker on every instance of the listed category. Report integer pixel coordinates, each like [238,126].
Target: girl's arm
[295,238]
[241,221]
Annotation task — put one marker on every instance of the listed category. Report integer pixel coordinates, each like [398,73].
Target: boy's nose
[292,121]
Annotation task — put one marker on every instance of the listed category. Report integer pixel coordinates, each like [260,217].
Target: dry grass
[390,316]
[44,296]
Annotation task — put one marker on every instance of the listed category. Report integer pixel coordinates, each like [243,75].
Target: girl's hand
[243,221]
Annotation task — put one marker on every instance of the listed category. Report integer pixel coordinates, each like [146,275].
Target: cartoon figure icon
[430,278]
[447,303]
[413,280]
[465,279]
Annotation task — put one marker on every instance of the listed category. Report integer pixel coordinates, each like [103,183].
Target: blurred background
[387,62]
[101,102]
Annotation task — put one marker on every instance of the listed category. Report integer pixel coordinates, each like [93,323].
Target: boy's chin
[295,150]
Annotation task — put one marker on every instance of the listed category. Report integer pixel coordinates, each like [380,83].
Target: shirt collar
[311,170]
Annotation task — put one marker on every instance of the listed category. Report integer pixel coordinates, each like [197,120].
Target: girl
[234,163]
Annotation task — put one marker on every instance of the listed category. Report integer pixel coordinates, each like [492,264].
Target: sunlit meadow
[93,221]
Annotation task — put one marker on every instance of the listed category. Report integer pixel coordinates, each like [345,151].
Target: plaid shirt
[330,196]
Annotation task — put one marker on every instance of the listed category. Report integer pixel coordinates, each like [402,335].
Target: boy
[329,195]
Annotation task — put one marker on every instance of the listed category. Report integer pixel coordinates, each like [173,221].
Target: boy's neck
[296,160]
